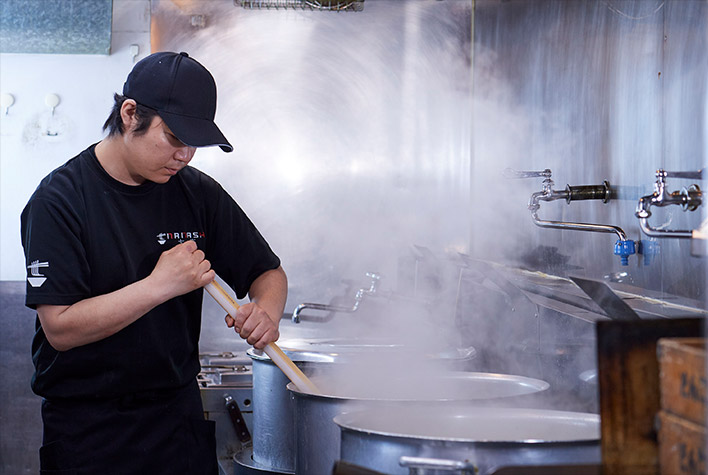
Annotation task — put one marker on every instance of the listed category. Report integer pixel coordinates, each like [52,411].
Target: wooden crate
[628,377]
[682,377]
[682,445]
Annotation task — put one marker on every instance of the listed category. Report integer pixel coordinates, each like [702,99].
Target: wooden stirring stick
[276,355]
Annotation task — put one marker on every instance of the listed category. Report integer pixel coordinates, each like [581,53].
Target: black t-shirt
[86,234]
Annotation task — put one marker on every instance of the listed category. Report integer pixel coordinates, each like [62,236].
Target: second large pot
[426,440]
[317,438]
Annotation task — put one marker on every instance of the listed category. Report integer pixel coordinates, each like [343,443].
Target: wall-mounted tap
[689,199]
[623,247]
[360,294]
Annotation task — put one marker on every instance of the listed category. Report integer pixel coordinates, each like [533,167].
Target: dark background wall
[20,420]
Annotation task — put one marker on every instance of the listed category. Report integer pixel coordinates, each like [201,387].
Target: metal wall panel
[594,90]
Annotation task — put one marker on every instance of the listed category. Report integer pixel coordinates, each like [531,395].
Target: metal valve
[688,199]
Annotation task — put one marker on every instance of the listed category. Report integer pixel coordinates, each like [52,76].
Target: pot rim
[347,421]
[536,385]
[335,354]
[296,356]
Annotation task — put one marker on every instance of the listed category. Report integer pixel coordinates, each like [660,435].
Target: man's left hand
[254,325]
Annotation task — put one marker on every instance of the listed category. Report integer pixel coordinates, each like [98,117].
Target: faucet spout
[598,228]
[360,294]
[323,307]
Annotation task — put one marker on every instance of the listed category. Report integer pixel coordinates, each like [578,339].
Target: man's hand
[181,270]
[254,325]
[257,322]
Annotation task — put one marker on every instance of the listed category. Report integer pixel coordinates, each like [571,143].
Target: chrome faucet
[689,199]
[623,247]
[572,193]
[360,294]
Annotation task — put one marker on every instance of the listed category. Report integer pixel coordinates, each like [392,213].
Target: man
[119,242]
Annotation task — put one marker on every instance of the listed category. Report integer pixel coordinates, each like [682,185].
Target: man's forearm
[178,271]
[75,325]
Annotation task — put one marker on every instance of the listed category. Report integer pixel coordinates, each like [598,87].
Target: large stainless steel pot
[317,437]
[466,439]
[273,420]
[273,414]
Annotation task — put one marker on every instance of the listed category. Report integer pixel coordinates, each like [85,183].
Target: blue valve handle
[624,249]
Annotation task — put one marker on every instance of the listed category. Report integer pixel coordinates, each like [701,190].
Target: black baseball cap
[183,93]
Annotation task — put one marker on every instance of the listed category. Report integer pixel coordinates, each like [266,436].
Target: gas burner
[225,369]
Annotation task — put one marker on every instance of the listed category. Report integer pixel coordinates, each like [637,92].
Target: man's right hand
[181,270]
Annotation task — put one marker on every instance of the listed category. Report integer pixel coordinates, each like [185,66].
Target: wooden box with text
[682,445]
[682,377]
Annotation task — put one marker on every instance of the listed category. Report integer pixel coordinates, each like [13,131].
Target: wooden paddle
[276,355]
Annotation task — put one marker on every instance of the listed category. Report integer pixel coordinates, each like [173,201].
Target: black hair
[114,123]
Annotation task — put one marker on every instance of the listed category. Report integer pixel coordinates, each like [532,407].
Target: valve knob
[624,249]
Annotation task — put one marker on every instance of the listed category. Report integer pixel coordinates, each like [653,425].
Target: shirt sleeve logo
[36,279]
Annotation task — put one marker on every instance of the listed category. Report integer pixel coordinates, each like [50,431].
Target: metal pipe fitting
[588,192]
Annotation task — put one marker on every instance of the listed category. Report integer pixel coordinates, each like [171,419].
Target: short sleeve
[55,257]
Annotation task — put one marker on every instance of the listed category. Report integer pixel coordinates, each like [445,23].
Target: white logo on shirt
[36,279]
[180,236]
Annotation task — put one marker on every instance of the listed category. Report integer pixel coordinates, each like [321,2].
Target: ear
[127,114]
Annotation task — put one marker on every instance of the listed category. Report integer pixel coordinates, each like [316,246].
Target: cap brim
[195,132]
